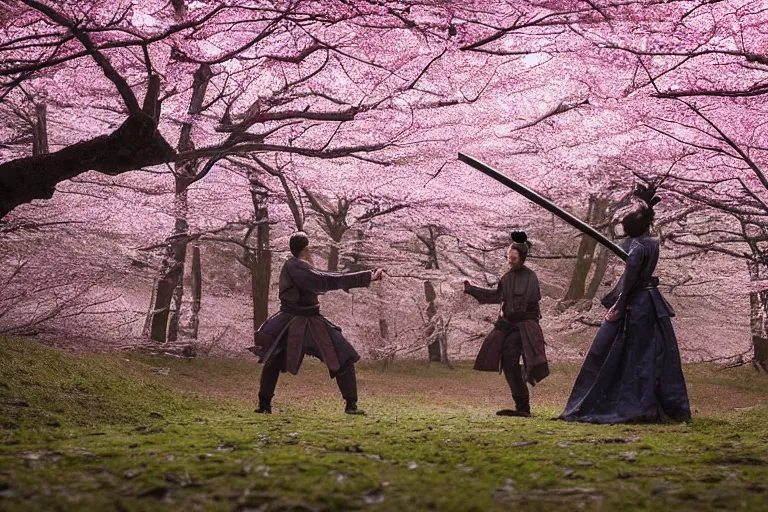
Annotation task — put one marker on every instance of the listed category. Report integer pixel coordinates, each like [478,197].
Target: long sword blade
[544,203]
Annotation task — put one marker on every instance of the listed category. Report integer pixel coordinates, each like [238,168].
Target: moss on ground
[133,432]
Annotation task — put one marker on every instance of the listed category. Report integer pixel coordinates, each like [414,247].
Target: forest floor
[136,432]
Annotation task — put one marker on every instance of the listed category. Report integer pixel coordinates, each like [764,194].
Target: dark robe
[633,370]
[299,329]
[519,294]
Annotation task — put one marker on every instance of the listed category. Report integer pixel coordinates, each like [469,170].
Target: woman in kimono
[633,371]
[299,329]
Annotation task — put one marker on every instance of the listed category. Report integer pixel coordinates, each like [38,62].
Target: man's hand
[377,274]
[613,315]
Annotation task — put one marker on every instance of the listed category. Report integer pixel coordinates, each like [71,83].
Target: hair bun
[519,237]
[647,194]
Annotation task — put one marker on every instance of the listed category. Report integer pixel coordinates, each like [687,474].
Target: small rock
[412,465]
[521,444]
[227,446]
[131,473]
[155,492]
[373,497]
[628,456]
[584,463]
[45,456]
[464,468]
[564,444]
[7,492]
[663,487]
[618,440]
[17,402]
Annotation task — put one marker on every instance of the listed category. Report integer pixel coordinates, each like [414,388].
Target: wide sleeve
[318,281]
[534,295]
[486,295]
[633,266]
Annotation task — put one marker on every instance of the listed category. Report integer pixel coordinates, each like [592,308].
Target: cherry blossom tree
[228,125]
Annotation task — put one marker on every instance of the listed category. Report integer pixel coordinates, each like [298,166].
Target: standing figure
[516,332]
[299,329]
[633,371]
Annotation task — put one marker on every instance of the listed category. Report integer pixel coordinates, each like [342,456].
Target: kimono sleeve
[631,273]
[318,281]
[486,295]
[533,293]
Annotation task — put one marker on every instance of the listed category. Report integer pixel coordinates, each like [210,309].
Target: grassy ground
[132,432]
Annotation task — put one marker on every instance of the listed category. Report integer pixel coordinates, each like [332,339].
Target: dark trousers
[346,379]
[511,351]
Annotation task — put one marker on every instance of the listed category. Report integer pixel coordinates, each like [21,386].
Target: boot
[265,405]
[351,408]
[522,409]
[514,412]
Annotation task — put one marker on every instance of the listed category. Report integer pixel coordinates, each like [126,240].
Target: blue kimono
[633,371]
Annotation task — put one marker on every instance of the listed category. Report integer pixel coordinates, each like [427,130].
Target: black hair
[298,242]
[521,244]
[638,221]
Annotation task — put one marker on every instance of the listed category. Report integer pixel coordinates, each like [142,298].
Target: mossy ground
[133,432]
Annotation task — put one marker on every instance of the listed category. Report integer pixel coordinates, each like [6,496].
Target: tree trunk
[40,131]
[431,243]
[260,258]
[433,348]
[443,340]
[583,260]
[172,273]
[382,313]
[170,284]
[164,293]
[758,314]
[599,275]
[150,311]
[758,310]
[180,235]
[197,289]
[333,258]
[260,277]
[585,257]
[336,232]
[383,329]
